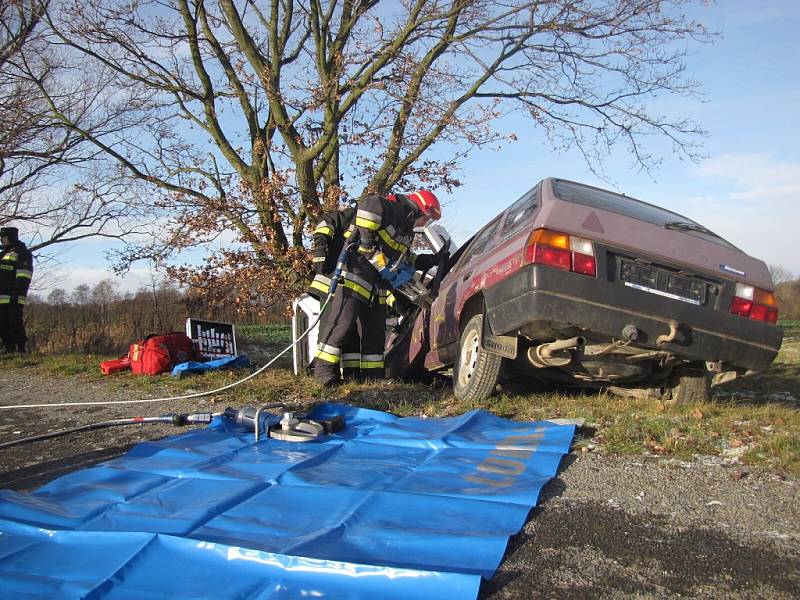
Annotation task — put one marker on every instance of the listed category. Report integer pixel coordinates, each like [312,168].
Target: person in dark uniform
[384,227]
[16,271]
[329,238]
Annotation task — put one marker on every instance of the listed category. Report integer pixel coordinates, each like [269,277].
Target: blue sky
[747,189]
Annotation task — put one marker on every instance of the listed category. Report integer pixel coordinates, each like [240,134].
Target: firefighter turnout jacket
[386,226]
[16,271]
[328,240]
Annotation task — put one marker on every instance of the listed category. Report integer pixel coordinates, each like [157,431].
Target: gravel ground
[618,527]
[606,527]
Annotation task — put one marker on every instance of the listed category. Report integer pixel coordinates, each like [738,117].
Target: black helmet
[12,233]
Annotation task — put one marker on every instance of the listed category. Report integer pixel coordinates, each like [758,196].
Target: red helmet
[428,203]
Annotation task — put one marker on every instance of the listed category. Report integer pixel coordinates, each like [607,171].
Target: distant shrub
[101,321]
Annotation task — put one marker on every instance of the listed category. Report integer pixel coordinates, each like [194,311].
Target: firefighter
[385,228]
[328,240]
[16,270]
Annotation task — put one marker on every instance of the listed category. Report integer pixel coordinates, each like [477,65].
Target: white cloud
[758,207]
[753,172]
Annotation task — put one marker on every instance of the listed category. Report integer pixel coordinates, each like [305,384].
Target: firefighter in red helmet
[384,225]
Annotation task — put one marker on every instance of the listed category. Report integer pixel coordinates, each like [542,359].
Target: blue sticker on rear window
[730,269]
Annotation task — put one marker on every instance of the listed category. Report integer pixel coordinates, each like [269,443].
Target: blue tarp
[228,362]
[387,508]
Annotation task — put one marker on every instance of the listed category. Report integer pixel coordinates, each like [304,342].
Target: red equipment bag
[123,363]
[157,354]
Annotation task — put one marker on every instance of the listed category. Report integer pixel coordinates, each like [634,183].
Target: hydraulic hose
[175,419]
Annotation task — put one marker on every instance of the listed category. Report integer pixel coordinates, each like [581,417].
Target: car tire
[690,386]
[476,371]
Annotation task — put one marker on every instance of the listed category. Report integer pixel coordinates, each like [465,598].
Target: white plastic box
[305,311]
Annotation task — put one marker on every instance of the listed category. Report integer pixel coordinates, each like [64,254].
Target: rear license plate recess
[663,282]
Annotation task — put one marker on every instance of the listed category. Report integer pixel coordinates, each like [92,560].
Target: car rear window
[630,207]
[519,213]
[483,239]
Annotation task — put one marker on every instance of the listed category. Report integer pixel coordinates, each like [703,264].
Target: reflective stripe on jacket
[382,225]
[329,237]
[16,272]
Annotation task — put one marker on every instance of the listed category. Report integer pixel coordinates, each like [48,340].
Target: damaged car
[580,287]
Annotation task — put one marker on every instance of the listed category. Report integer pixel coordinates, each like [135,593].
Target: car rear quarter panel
[499,260]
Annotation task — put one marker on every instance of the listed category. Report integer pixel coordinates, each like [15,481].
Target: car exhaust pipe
[555,354]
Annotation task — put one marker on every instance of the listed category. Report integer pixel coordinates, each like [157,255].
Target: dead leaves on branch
[253,282]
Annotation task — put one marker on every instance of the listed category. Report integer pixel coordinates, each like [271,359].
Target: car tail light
[561,251]
[751,302]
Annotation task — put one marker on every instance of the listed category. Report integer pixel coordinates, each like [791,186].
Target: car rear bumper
[606,307]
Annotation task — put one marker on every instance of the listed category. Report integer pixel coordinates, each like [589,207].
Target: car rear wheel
[690,386]
[476,370]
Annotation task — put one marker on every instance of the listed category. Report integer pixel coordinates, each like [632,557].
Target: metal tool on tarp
[287,427]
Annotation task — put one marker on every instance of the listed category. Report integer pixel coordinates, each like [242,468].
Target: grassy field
[752,421]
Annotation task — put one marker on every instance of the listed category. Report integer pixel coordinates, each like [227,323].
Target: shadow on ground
[779,384]
[586,549]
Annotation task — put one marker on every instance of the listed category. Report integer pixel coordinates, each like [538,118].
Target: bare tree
[251,116]
[82,294]
[780,274]
[24,150]
[51,182]
[57,296]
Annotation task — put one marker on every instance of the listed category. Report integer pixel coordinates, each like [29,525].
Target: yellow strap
[371,364]
[359,289]
[319,285]
[323,230]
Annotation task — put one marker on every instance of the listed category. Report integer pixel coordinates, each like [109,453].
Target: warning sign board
[215,340]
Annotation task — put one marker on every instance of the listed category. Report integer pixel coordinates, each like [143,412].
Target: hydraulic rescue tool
[406,280]
[287,427]
[402,277]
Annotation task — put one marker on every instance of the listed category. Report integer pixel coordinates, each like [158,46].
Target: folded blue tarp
[229,362]
[387,508]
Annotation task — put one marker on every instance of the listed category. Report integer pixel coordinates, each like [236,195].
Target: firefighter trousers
[349,319]
[12,327]
[351,351]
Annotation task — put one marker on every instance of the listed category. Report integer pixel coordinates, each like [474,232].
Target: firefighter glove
[424,262]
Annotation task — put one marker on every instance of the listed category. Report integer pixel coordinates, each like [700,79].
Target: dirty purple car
[579,286]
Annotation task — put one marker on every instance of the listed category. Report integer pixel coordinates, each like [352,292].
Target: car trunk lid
[697,251]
